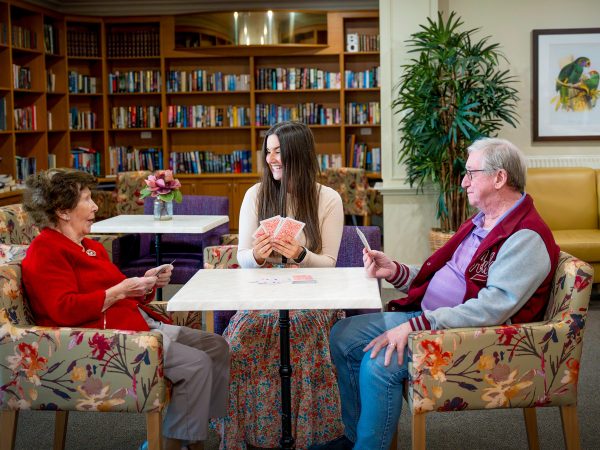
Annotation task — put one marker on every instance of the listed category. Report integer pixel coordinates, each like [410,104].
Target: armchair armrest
[523,365]
[80,369]
[192,319]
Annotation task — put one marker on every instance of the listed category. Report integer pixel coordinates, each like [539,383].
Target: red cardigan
[66,285]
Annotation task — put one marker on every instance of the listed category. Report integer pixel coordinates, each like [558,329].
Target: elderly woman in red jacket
[70,281]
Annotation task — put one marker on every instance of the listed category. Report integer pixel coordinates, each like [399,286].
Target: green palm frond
[451,93]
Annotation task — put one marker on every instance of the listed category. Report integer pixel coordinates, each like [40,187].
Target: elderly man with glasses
[496,269]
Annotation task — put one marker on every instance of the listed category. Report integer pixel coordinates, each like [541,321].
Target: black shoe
[341,443]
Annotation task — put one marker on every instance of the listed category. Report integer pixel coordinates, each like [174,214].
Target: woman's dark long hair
[299,180]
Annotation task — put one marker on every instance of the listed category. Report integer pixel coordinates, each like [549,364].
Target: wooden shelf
[210,128]
[208,93]
[296,91]
[71,36]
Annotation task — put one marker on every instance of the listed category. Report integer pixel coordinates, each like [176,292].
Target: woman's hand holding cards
[290,248]
[262,248]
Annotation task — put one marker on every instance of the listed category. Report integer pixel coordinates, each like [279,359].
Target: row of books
[24,37]
[3,124]
[26,118]
[292,78]
[21,77]
[139,116]
[327,161]
[363,113]
[82,84]
[368,42]
[201,116]
[203,81]
[82,120]
[50,39]
[138,81]
[309,113]
[205,161]
[138,43]
[26,165]
[86,159]
[83,43]
[123,159]
[360,155]
[369,78]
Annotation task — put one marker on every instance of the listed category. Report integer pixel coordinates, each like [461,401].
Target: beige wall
[408,217]
[509,23]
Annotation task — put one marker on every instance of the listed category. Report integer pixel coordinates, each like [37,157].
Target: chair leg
[531,426]
[209,321]
[418,432]
[570,424]
[60,429]
[8,429]
[366,220]
[154,430]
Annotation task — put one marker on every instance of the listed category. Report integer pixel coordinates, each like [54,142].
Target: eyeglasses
[470,173]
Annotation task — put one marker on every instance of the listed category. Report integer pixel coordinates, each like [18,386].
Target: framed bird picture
[566,99]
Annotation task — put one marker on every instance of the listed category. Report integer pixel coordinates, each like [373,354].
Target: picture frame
[566,99]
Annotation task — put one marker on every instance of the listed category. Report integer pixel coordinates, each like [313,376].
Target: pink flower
[161,183]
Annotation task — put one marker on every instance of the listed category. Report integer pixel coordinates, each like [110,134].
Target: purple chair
[135,253]
[350,255]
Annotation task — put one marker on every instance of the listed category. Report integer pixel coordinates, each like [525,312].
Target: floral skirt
[254,415]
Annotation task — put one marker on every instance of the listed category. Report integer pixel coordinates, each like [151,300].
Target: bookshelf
[115,93]
[362,93]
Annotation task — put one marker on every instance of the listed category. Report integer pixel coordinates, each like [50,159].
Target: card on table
[303,278]
[288,229]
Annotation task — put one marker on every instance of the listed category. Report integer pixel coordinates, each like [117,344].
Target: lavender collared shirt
[448,286]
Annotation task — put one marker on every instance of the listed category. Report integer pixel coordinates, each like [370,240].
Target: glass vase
[163,210]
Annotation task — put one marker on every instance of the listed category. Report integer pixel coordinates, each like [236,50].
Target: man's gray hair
[503,154]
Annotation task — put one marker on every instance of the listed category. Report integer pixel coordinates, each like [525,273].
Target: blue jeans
[371,393]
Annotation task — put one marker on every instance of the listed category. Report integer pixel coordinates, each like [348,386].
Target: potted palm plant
[451,93]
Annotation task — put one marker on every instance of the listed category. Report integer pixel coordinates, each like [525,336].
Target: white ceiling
[166,7]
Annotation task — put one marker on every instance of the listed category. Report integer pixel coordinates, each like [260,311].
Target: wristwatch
[301,256]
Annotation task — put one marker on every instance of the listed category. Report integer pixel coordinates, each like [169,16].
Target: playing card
[271,224]
[260,232]
[363,238]
[267,226]
[303,278]
[288,229]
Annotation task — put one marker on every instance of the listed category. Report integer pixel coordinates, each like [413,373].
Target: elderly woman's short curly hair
[54,190]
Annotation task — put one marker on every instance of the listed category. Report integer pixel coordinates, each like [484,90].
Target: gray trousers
[197,363]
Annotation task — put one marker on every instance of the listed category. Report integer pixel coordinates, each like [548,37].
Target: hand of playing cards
[279,228]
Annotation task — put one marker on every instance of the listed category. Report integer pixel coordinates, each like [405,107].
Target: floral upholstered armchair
[72,369]
[511,366]
[358,198]
[125,198]
[16,226]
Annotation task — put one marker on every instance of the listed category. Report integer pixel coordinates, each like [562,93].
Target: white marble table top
[147,224]
[255,289]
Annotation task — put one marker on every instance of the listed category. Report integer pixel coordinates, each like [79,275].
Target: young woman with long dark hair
[288,188]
